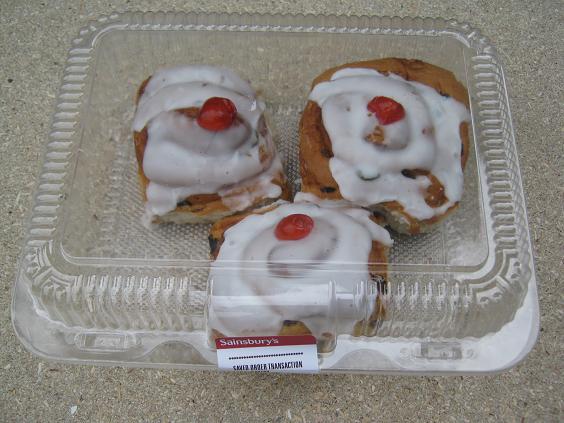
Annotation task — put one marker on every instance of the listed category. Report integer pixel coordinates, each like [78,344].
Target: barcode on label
[290,354]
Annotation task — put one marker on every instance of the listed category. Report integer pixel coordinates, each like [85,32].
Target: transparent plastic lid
[96,286]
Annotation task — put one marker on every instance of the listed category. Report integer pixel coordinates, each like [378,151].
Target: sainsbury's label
[288,354]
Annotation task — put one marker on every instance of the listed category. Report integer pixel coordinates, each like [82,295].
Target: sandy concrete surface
[34,38]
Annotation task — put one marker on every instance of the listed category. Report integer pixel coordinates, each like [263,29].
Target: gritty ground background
[34,38]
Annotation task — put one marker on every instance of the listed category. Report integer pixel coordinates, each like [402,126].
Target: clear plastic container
[95,286]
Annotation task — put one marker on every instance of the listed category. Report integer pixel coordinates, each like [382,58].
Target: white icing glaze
[259,281]
[243,195]
[408,144]
[307,197]
[182,159]
[198,73]
[192,94]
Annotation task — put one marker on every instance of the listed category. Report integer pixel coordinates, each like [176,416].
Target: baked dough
[374,265]
[316,148]
[211,206]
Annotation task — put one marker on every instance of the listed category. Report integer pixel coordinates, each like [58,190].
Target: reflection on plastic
[303,307]
[102,341]
[441,351]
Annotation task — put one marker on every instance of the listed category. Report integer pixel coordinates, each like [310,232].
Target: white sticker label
[288,354]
